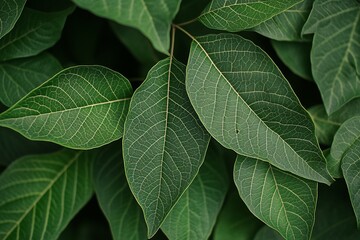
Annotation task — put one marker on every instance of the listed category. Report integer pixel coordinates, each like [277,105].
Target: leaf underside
[250,108]
[164,142]
[237,15]
[81,107]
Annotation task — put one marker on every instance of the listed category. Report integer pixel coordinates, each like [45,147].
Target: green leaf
[151,18]
[115,198]
[40,194]
[164,142]
[335,54]
[287,25]
[10,12]
[346,149]
[136,43]
[18,77]
[333,165]
[235,221]
[194,215]
[267,233]
[283,201]
[80,107]
[34,32]
[14,146]
[237,15]
[334,216]
[296,56]
[325,128]
[247,105]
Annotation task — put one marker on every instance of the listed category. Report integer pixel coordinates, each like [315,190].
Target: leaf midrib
[240,4]
[2,119]
[252,111]
[51,183]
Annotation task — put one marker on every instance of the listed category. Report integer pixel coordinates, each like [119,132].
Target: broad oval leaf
[336,70]
[283,201]
[247,105]
[81,107]
[237,15]
[164,142]
[235,221]
[18,77]
[152,18]
[346,150]
[195,214]
[287,25]
[296,56]
[10,12]
[115,198]
[40,194]
[34,32]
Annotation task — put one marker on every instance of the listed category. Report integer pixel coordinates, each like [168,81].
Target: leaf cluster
[180,119]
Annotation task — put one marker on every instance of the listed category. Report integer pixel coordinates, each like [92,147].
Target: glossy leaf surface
[164,142]
[81,107]
[250,108]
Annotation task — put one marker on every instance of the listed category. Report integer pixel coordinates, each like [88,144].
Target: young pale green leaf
[115,198]
[296,56]
[267,233]
[164,142]
[335,54]
[287,25]
[237,15]
[152,18]
[346,151]
[14,146]
[235,221]
[18,77]
[247,105]
[34,32]
[81,107]
[283,201]
[325,128]
[334,216]
[194,215]
[40,194]
[10,11]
